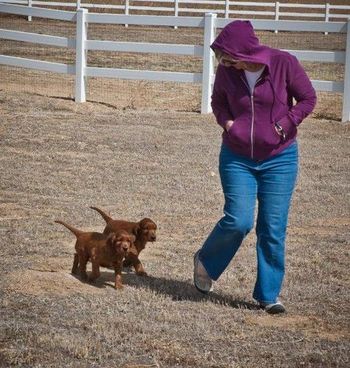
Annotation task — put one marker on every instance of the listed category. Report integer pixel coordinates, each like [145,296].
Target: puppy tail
[75,231]
[103,214]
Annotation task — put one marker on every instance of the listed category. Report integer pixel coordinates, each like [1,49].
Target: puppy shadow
[176,289]
[101,283]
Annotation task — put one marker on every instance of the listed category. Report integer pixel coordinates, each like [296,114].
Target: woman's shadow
[176,289]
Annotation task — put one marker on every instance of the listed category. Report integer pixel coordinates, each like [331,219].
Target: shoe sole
[200,290]
[276,309]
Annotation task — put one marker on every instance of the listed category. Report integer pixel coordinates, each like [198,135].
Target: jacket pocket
[266,136]
[239,132]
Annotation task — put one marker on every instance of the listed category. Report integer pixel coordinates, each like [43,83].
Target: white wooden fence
[209,22]
[226,8]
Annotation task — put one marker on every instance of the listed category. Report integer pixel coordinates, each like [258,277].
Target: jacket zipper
[253,116]
[252,126]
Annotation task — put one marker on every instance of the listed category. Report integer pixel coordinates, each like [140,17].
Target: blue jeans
[271,182]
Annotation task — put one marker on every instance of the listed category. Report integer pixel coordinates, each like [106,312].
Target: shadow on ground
[176,289]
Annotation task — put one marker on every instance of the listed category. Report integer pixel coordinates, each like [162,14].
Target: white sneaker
[273,308]
[202,280]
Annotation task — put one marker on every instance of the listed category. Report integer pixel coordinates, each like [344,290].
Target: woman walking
[253,102]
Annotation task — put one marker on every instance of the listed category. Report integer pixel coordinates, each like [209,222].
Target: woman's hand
[228,125]
[280,131]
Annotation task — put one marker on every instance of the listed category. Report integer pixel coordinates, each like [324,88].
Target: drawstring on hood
[273,101]
[275,97]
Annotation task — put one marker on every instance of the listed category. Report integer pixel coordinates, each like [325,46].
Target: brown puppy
[102,250]
[144,230]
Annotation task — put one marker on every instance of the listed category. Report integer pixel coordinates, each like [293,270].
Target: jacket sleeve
[300,88]
[219,101]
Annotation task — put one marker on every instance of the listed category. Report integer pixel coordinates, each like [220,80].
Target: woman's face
[227,61]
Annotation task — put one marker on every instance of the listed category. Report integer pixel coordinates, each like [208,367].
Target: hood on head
[238,40]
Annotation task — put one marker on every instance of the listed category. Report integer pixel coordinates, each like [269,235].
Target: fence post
[78,4]
[277,12]
[80,56]
[326,16]
[176,10]
[30,5]
[346,94]
[127,10]
[208,62]
[227,9]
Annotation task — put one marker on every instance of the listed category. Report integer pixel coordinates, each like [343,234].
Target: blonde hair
[218,53]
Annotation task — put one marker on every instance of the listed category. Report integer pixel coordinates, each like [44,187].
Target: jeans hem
[206,268]
[265,301]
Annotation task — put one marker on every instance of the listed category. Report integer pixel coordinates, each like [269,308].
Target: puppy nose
[126,248]
[153,237]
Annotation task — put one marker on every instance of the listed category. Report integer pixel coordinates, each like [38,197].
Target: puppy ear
[136,230]
[144,222]
[111,239]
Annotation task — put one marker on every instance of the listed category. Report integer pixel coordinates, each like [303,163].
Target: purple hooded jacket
[253,132]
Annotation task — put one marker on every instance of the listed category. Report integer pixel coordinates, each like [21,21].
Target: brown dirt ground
[141,149]
[58,158]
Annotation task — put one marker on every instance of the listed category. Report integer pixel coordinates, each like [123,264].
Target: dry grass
[58,158]
[141,149]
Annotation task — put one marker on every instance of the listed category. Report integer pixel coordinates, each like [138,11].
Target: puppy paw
[127,263]
[141,273]
[83,277]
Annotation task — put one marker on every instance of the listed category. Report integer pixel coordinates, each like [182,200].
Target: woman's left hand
[228,125]
[280,131]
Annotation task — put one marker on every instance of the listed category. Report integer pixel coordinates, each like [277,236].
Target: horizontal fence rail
[210,23]
[44,13]
[191,50]
[46,66]
[226,8]
[150,20]
[37,38]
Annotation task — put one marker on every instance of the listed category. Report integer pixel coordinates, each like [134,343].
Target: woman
[253,102]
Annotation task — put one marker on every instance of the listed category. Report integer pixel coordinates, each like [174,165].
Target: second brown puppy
[144,231]
[102,250]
